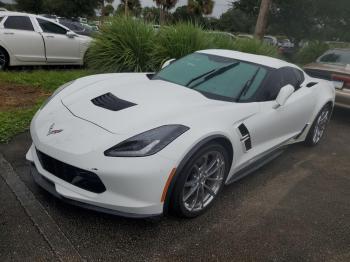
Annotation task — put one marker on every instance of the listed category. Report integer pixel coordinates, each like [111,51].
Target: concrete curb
[47,227]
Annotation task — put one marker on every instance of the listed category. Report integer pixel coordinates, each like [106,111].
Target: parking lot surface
[296,208]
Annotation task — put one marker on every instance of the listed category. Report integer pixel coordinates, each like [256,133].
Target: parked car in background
[3,9]
[245,36]
[271,40]
[27,39]
[80,29]
[334,65]
[285,43]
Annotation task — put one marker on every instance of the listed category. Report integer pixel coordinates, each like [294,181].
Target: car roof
[32,15]
[258,59]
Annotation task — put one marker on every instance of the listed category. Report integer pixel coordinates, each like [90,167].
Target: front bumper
[139,197]
[50,187]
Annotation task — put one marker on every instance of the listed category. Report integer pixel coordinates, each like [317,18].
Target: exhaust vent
[111,102]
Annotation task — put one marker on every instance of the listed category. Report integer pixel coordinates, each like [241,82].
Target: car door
[273,125]
[20,38]
[60,48]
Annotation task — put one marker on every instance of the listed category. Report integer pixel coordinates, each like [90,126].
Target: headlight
[147,143]
[56,92]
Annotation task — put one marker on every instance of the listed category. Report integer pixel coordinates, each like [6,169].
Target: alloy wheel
[321,125]
[204,181]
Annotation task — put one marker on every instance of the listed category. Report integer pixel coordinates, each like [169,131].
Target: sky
[220,6]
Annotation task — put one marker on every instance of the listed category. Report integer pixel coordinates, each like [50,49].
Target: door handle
[50,36]
[9,33]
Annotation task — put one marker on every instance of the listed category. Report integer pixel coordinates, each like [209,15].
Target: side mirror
[70,34]
[168,62]
[284,94]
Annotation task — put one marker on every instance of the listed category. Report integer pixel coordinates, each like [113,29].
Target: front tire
[319,126]
[200,181]
[4,59]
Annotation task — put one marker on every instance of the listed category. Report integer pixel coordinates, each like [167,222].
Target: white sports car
[138,144]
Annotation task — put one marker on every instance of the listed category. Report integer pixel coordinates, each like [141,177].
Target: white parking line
[59,243]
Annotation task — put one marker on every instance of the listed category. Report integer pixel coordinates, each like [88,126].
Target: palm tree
[164,6]
[261,23]
[133,6]
[200,7]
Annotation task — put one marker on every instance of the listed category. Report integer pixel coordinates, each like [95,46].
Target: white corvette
[138,144]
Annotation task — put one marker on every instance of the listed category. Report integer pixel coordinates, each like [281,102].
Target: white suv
[27,39]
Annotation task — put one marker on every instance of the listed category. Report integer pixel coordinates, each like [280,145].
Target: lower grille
[78,177]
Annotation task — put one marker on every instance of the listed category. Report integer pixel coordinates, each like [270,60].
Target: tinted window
[72,25]
[1,18]
[299,76]
[52,28]
[336,57]
[19,23]
[271,86]
[203,72]
[289,77]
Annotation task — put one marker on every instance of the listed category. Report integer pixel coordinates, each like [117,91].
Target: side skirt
[256,165]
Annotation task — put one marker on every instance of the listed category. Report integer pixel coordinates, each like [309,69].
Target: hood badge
[53,131]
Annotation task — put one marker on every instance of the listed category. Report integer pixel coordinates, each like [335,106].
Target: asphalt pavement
[296,208]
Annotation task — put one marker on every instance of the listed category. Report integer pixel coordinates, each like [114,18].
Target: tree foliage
[201,7]
[235,20]
[304,19]
[67,8]
[134,7]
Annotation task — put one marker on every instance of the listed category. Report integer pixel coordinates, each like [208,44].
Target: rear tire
[319,126]
[4,59]
[200,181]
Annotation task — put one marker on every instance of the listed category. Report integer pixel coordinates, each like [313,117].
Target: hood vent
[111,102]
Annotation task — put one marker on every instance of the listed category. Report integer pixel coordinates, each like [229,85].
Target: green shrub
[311,52]
[221,41]
[129,45]
[254,46]
[179,40]
[125,45]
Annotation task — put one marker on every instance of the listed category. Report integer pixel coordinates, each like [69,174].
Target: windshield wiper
[247,85]
[212,73]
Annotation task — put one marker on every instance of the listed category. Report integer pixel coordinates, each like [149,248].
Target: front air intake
[111,102]
[84,179]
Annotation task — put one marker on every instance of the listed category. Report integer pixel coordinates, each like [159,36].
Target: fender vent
[111,102]
[245,137]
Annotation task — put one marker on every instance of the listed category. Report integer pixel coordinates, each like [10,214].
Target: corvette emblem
[53,131]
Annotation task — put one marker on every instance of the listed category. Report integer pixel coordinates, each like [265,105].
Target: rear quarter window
[19,23]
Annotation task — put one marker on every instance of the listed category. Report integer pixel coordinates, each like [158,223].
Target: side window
[271,86]
[1,18]
[300,77]
[289,77]
[19,23]
[51,28]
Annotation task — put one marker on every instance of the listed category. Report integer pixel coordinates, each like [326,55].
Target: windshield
[336,57]
[226,84]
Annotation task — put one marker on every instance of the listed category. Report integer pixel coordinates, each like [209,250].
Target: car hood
[139,103]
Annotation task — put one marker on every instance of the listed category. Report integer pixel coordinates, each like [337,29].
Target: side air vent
[111,102]
[243,130]
[245,137]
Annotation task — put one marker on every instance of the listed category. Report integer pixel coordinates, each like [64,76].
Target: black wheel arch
[221,139]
